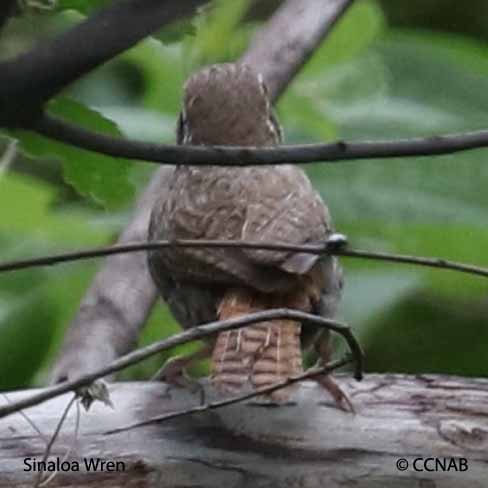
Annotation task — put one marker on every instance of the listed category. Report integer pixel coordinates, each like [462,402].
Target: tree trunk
[437,424]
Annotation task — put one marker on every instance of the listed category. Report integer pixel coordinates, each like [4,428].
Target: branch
[193,334]
[309,374]
[305,443]
[311,23]
[328,248]
[117,304]
[245,156]
[31,79]
[110,317]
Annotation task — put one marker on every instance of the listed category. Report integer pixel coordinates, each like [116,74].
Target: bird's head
[227,104]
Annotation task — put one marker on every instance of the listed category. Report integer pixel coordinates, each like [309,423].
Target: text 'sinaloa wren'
[228,104]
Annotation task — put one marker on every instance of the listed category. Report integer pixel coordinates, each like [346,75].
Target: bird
[229,104]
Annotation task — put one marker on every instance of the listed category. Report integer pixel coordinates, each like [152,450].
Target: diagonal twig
[310,373]
[195,333]
[28,420]
[32,78]
[47,451]
[70,448]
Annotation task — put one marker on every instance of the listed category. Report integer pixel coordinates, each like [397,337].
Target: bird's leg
[174,373]
[322,347]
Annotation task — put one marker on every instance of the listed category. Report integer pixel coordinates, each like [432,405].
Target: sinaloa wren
[228,104]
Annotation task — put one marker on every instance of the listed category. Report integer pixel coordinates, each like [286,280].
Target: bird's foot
[340,397]
[173,373]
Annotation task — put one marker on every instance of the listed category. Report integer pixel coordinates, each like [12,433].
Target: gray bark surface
[309,443]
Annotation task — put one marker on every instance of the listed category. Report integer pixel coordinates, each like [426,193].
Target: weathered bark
[309,443]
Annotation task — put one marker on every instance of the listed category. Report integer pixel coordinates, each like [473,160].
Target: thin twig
[325,248]
[310,373]
[189,335]
[244,156]
[28,420]
[416,260]
[146,246]
[70,448]
[53,440]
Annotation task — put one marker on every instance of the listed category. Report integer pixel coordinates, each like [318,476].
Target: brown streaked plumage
[228,105]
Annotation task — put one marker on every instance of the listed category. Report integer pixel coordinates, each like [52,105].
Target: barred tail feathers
[257,355]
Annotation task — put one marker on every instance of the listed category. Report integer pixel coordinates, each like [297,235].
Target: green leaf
[37,6]
[163,72]
[101,177]
[425,333]
[355,32]
[21,344]
[37,304]
[141,124]
[176,31]
[171,33]
[220,36]
[336,77]
[369,292]
[407,84]
[36,224]
[82,6]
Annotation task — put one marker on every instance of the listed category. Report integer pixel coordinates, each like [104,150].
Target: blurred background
[390,69]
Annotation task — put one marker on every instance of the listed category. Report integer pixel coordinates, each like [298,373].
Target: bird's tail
[257,355]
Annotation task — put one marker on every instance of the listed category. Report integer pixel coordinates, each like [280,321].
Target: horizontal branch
[62,131]
[309,442]
[329,247]
[306,375]
[147,246]
[193,334]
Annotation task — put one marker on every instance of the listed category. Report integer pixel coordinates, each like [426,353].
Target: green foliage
[218,21]
[36,5]
[103,178]
[330,72]
[401,84]
[368,81]
[428,334]
[35,305]
[82,6]
[176,31]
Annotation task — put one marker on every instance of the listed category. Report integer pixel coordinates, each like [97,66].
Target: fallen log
[408,431]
